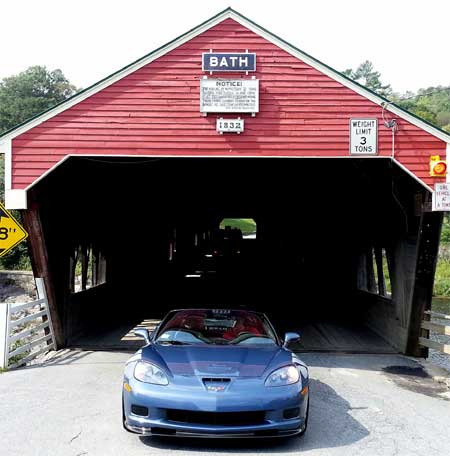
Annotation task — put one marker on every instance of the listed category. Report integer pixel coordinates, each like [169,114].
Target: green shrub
[442,278]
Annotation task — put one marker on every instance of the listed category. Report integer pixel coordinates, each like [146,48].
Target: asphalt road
[360,405]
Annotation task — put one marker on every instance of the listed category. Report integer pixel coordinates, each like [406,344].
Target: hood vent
[216,384]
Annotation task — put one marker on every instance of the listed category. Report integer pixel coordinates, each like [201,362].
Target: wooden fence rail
[437,327]
[16,348]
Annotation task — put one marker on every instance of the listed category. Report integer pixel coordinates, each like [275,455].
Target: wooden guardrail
[19,336]
[437,327]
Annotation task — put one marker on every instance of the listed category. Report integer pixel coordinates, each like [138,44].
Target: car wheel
[302,433]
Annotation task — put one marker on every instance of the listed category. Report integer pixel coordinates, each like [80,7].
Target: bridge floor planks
[327,336]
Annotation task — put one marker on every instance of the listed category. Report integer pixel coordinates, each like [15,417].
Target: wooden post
[4,334]
[95,258]
[380,272]
[39,261]
[371,282]
[72,265]
[42,294]
[84,259]
[427,255]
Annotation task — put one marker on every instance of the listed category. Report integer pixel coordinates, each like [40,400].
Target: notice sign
[214,61]
[229,95]
[363,136]
[441,197]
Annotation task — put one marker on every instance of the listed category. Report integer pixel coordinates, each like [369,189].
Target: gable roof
[228,13]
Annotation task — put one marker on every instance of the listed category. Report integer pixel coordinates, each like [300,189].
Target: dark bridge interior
[142,236]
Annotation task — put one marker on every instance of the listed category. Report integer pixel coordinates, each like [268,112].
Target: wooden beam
[427,255]
[380,272]
[84,259]
[371,282]
[437,315]
[443,348]
[95,258]
[436,327]
[40,264]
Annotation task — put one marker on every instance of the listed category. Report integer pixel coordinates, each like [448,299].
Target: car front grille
[216,418]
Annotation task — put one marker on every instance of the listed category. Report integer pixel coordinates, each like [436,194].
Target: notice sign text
[229,95]
[363,136]
[441,197]
[243,61]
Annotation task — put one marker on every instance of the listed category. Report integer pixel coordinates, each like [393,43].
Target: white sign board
[229,95]
[363,136]
[441,197]
[230,125]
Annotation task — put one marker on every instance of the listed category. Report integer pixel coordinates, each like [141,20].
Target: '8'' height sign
[11,233]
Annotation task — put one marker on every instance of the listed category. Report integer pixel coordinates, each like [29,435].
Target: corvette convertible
[215,373]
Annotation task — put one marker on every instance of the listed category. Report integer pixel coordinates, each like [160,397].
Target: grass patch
[3,370]
[441,305]
[247,226]
[442,278]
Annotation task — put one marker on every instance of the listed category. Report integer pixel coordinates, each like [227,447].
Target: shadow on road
[67,357]
[330,425]
[365,362]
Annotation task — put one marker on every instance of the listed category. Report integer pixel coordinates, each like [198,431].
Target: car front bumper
[243,396]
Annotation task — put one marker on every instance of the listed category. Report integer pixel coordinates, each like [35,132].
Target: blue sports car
[215,373]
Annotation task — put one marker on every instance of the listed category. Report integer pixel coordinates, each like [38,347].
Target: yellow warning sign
[11,233]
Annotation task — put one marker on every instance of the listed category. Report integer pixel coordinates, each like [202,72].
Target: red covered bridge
[126,183]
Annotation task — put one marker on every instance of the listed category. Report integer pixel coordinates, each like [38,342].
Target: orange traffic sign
[11,233]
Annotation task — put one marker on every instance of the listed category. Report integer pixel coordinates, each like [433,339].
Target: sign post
[11,233]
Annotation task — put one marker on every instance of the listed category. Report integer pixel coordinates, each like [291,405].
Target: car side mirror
[143,332]
[290,337]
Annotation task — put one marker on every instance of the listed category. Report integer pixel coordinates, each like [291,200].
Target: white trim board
[17,199]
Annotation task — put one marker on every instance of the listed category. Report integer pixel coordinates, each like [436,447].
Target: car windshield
[220,327]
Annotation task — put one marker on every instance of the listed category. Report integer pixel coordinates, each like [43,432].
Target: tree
[432,104]
[34,90]
[368,77]
[23,96]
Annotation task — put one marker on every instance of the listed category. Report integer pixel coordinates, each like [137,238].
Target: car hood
[216,361]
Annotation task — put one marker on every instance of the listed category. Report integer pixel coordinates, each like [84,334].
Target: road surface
[360,405]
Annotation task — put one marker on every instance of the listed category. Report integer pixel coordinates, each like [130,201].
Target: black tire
[302,433]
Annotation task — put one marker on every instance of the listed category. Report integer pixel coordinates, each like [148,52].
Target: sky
[407,41]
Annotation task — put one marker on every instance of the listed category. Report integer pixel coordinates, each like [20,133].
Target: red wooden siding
[155,110]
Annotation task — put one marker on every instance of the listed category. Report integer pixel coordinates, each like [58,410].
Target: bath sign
[229,95]
[243,61]
[363,136]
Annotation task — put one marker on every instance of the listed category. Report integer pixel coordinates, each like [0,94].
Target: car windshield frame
[270,330]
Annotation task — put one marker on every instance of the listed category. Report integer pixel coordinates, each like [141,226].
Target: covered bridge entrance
[125,186]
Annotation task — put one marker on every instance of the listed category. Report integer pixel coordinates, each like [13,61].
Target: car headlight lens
[284,376]
[149,373]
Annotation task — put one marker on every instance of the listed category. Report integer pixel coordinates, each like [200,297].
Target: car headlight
[284,376]
[149,373]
